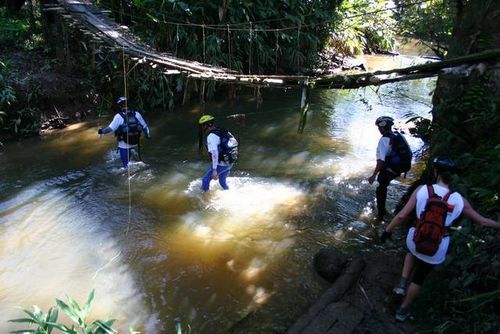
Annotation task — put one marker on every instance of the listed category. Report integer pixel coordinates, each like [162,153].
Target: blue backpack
[399,158]
[130,130]
[228,148]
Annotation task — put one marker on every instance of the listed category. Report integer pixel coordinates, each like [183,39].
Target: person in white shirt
[127,126]
[393,158]
[218,169]
[417,265]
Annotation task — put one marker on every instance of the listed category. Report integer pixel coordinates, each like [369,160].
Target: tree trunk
[476,29]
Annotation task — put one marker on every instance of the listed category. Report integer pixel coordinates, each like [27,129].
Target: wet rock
[329,263]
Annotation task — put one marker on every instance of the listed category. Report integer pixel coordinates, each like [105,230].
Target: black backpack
[228,148]
[399,159]
[430,228]
[130,130]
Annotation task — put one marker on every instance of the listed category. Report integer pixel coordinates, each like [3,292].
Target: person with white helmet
[222,149]
[393,158]
[127,126]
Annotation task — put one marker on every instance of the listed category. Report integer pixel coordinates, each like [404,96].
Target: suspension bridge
[96,21]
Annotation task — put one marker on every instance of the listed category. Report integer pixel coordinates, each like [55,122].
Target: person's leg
[124,156]
[408,267]
[384,178]
[205,180]
[411,294]
[422,269]
[223,172]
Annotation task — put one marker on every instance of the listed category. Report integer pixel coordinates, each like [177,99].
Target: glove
[99,132]
[385,235]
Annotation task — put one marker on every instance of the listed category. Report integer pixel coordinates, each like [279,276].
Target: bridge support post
[304,106]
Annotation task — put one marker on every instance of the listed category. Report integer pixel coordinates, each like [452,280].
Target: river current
[160,253]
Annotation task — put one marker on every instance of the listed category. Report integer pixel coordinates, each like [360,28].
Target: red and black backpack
[430,228]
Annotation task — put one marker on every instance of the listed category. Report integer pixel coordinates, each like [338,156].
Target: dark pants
[125,155]
[384,178]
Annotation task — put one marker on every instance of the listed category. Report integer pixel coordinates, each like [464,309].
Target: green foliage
[17,31]
[431,22]
[263,35]
[358,31]
[14,28]
[47,322]
[465,295]
[7,93]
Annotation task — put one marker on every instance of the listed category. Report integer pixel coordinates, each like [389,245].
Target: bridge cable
[177,40]
[128,170]
[276,55]
[128,150]
[204,56]
[250,52]
[229,46]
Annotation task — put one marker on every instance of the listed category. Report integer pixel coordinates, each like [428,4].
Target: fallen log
[332,295]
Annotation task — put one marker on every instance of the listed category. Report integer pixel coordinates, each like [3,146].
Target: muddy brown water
[161,254]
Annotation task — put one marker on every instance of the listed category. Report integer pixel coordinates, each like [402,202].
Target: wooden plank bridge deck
[96,21]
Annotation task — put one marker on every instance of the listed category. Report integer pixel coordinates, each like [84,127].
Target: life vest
[399,158]
[228,147]
[130,130]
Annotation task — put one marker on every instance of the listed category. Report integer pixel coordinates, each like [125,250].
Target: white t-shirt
[454,200]
[383,148]
[213,142]
[118,120]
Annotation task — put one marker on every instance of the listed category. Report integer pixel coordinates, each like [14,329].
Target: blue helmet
[121,100]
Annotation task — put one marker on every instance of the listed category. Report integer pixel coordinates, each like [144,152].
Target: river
[160,253]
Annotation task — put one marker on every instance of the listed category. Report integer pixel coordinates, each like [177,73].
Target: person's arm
[115,123]
[378,168]
[400,216]
[144,125]
[476,217]
[213,149]
[382,150]
[405,211]
[105,130]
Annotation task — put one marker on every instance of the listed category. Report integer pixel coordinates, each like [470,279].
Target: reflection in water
[71,257]
[158,251]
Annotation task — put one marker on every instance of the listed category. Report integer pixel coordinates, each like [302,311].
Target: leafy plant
[46,322]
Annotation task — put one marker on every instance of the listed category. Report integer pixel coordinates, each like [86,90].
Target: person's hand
[148,136]
[385,235]
[371,179]
[214,175]
[99,132]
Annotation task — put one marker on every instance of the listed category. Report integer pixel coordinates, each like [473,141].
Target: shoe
[402,314]
[399,290]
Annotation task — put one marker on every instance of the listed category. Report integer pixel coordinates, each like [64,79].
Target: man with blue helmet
[127,126]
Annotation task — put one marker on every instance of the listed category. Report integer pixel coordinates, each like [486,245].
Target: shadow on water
[157,250]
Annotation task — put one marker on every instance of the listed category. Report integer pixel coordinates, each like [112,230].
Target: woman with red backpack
[437,207]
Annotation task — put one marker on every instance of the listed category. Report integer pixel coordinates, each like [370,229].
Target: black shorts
[422,269]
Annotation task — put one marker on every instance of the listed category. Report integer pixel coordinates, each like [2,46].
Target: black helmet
[121,100]
[444,164]
[384,121]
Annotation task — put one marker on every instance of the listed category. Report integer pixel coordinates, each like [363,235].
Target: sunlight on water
[50,250]
[246,227]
